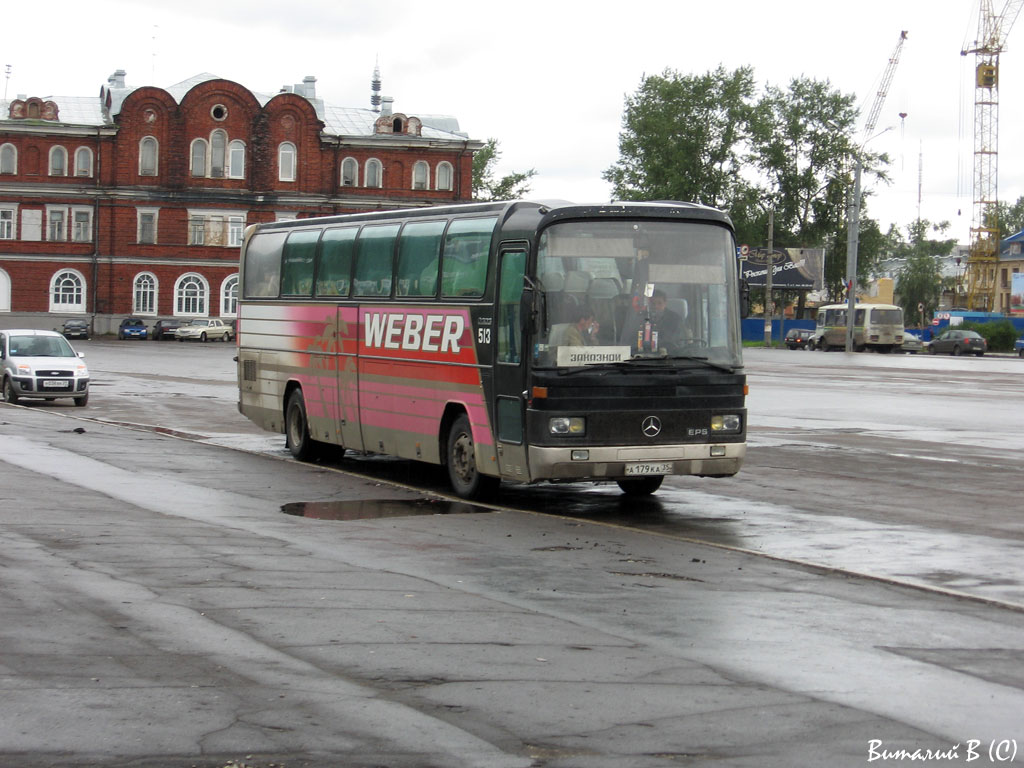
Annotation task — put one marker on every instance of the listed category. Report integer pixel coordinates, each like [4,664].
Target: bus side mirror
[744,298]
[528,309]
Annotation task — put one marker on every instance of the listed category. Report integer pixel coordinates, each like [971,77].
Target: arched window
[373,173]
[83,161]
[286,161]
[8,159]
[444,176]
[420,175]
[236,160]
[199,157]
[218,151]
[144,294]
[58,161]
[349,172]
[5,291]
[190,294]
[67,291]
[148,156]
[229,297]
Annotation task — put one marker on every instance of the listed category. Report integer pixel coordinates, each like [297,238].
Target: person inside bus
[653,326]
[583,332]
[667,323]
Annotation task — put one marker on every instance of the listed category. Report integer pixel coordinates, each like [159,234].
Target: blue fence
[753,327]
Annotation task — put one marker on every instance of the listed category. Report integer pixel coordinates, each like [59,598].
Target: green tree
[486,187]
[681,138]
[800,143]
[713,139]
[920,281]
[1011,218]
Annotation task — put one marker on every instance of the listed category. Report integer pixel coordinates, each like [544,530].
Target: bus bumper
[604,462]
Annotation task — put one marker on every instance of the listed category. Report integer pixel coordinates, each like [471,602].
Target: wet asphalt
[171,603]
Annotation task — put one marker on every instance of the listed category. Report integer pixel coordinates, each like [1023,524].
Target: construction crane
[853,212]
[983,257]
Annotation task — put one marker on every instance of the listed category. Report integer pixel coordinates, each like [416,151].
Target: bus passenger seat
[601,295]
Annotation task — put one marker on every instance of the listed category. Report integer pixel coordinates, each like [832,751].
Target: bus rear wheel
[296,428]
[640,486]
[466,480]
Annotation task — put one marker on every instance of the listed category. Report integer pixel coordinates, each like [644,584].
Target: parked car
[1019,346]
[911,344]
[76,329]
[164,329]
[132,328]
[958,342]
[41,365]
[797,338]
[204,329]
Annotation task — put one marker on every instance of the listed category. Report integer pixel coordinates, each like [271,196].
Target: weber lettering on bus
[427,333]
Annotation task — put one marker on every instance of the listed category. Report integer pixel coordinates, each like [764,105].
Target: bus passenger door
[510,366]
[347,346]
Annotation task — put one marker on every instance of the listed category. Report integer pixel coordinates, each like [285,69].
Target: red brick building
[134,202]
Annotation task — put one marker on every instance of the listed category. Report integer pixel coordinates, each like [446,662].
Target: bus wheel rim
[462,457]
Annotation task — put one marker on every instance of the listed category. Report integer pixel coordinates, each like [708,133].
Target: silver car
[41,365]
[911,344]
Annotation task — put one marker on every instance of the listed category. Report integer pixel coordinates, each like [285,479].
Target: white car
[41,365]
[204,329]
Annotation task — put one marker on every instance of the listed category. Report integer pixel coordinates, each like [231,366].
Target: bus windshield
[635,290]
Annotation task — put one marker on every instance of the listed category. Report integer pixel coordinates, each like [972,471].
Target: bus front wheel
[296,428]
[465,479]
[640,486]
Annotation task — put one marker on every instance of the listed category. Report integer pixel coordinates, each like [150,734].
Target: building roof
[352,122]
[1012,247]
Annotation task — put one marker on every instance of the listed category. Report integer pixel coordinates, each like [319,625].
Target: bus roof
[527,214]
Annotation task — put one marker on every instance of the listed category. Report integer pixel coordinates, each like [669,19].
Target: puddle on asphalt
[363,509]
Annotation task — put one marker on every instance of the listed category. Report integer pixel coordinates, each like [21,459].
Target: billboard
[793,269]
[1017,294]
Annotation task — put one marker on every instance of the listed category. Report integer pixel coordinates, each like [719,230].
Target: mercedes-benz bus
[442,335]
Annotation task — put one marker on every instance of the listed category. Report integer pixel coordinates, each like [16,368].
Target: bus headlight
[728,423]
[567,425]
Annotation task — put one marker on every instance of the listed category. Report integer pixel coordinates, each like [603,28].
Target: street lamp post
[769,306]
[852,237]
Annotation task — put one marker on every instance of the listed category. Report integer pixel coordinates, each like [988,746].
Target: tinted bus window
[466,249]
[419,253]
[891,316]
[375,247]
[297,264]
[335,268]
[263,265]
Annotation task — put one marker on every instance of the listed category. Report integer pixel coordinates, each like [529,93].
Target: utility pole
[852,240]
[769,305]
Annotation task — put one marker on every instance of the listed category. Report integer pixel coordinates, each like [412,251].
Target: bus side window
[334,271]
[510,335]
[297,263]
[263,265]
[467,247]
[419,254]
[375,248]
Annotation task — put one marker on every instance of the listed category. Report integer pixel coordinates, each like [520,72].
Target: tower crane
[853,212]
[983,257]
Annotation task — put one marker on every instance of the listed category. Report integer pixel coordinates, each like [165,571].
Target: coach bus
[516,341]
[875,326]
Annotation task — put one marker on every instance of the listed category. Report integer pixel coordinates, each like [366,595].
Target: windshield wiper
[645,363]
[704,359]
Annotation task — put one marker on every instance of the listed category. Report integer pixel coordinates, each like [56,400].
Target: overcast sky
[548,79]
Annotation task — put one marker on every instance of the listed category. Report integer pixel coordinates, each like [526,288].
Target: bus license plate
[640,468]
[54,384]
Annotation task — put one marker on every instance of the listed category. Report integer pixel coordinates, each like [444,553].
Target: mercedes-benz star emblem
[651,426]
